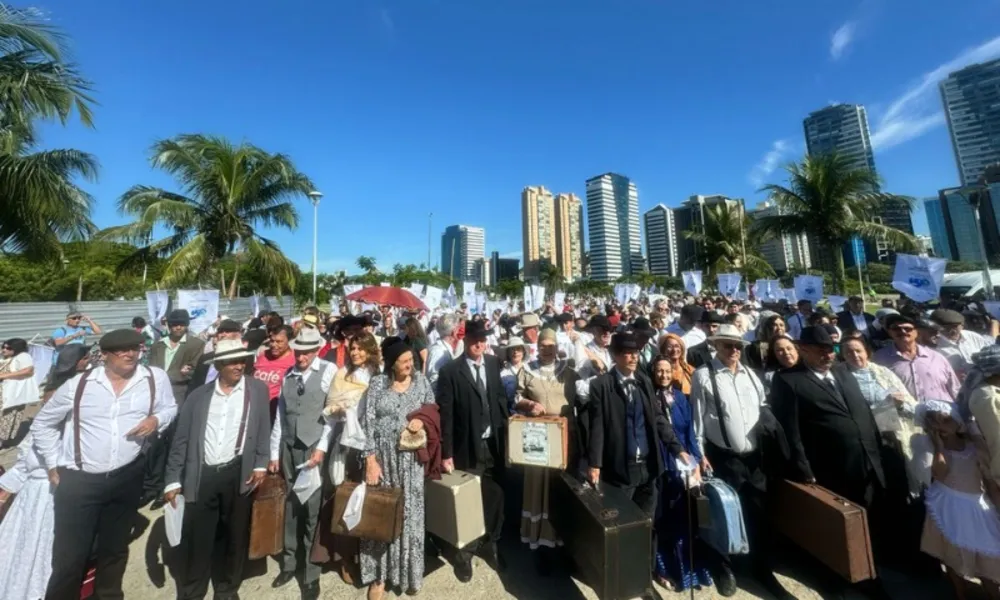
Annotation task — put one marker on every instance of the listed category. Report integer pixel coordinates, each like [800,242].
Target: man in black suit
[703,353]
[625,427]
[855,318]
[830,428]
[474,414]
[204,370]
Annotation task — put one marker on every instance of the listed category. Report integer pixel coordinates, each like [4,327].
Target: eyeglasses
[904,329]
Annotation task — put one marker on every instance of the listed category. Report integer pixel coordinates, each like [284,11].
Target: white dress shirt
[324,384]
[796,323]
[860,323]
[741,395]
[959,354]
[105,420]
[586,368]
[438,356]
[478,370]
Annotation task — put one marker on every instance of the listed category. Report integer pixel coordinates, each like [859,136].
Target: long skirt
[26,535]
[679,558]
[10,423]
[536,530]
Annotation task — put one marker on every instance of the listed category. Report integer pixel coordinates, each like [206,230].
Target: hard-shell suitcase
[724,529]
[608,537]
[381,514]
[453,508]
[267,521]
[830,528]
[538,441]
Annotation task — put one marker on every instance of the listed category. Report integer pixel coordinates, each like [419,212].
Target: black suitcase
[608,537]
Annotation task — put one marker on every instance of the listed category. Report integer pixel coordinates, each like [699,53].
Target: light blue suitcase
[725,531]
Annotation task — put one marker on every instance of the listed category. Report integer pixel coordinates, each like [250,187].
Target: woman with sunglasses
[17,387]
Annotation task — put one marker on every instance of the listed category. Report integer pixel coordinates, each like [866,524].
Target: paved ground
[148,579]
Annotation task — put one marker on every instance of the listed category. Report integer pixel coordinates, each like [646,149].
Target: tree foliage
[727,237]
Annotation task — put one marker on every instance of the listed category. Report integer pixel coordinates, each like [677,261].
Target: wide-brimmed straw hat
[308,339]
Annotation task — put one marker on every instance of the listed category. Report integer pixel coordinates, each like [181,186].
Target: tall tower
[461,247]
[538,230]
[973,112]
[613,222]
[661,241]
[569,236]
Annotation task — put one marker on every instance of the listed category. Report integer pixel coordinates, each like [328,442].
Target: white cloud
[842,38]
[769,162]
[918,109]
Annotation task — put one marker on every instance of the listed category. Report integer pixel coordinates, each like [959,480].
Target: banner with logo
[836,303]
[156,305]
[202,305]
[692,282]
[919,277]
[432,297]
[729,283]
[809,287]
[768,289]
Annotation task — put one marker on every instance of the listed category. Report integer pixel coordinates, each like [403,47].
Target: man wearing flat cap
[474,415]
[956,343]
[92,435]
[219,454]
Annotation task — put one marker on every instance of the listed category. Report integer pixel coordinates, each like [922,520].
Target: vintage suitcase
[830,528]
[538,441]
[381,514]
[608,537]
[267,521]
[720,518]
[453,508]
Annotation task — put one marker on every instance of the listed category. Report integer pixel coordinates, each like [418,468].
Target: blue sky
[399,108]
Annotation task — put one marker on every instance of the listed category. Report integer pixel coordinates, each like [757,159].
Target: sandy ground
[147,577]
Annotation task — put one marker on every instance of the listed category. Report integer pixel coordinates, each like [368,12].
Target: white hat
[728,333]
[307,339]
[230,350]
[514,342]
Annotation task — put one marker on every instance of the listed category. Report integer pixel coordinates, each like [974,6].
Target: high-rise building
[461,246]
[786,251]
[938,228]
[690,216]
[482,269]
[613,223]
[503,269]
[569,236]
[843,128]
[538,230]
[971,98]
[661,241]
[959,222]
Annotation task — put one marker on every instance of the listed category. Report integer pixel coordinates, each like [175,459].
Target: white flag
[729,283]
[919,277]
[809,287]
[469,295]
[432,297]
[202,305]
[156,305]
[692,282]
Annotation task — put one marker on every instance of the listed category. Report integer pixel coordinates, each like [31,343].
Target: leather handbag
[267,521]
[381,514]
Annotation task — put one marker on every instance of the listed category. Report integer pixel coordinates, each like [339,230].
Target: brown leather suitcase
[381,516]
[538,441]
[267,521]
[608,537]
[830,528]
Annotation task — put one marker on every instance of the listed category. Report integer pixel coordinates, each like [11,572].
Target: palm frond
[270,264]
[187,263]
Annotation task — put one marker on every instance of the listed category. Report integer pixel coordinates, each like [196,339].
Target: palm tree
[552,278]
[228,191]
[40,202]
[726,233]
[830,200]
[367,264]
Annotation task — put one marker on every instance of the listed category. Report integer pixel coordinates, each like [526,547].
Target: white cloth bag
[173,520]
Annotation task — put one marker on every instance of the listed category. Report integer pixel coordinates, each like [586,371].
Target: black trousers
[643,491]
[216,534]
[89,506]
[490,478]
[156,463]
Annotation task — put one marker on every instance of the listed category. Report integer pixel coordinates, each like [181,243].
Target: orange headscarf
[682,370]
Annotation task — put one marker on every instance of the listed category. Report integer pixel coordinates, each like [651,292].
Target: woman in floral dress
[389,399]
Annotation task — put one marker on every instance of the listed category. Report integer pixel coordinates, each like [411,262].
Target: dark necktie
[479,381]
[481,385]
[832,386]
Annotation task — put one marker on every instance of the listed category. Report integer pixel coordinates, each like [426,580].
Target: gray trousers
[300,518]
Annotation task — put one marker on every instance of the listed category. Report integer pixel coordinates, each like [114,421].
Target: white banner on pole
[417,289]
[432,297]
[692,282]
[559,300]
[919,277]
[469,295]
[809,287]
[729,283]
[202,305]
[156,305]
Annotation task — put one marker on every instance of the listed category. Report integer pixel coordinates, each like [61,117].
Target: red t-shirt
[272,371]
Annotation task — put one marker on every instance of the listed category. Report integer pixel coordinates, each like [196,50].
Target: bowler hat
[625,341]
[815,335]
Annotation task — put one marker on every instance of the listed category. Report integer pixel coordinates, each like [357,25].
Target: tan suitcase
[453,508]
[267,521]
[538,441]
[381,514]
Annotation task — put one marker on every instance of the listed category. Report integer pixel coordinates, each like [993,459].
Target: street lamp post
[314,197]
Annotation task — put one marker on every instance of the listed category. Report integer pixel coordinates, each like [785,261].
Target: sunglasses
[904,329]
[731,346]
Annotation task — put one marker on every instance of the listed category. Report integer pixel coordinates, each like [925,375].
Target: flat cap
[121,339]
[943,316]
[179,316]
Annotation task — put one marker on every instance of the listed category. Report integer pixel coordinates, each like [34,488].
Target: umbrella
[390,296]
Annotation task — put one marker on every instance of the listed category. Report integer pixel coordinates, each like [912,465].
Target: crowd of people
[897,411]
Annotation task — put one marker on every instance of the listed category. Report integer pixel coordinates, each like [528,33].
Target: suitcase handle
[833,496]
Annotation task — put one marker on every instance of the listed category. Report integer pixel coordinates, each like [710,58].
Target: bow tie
[628,381]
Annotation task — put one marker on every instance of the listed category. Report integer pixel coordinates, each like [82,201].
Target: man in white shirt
[799,320]
[727,397]
[447,348]
[218,456]
[109,415]
[686,325]
[955,342]
[301,436]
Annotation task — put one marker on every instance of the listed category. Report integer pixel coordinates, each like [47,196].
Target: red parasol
[390,296]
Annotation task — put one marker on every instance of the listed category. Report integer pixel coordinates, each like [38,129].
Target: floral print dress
[401,562]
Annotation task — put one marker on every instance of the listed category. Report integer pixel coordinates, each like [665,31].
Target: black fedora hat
[626,341]
[477,330]
[815,335]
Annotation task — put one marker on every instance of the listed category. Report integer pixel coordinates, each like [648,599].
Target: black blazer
[700,355]
[845,321]
[462,413]
[607,444]
[833,441]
